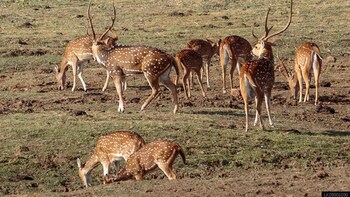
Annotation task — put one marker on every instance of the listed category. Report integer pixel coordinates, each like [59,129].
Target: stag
[257,76]
[118,60]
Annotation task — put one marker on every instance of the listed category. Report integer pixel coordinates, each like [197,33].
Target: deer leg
[300,82]
[316,75]
[74,70]
[118,85]
[185,81]
[259,100]
[232,70]
[80,76]
[165,79]
[105,166]
[198,72]
[117,167]
[106,82]
[167,170]
[154,83]
[306,77]
[244,94]
[224,58]
[207,64]
[268,109]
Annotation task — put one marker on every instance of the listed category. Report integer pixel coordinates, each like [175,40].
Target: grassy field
[42,133]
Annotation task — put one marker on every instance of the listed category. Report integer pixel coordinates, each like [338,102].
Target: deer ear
[106,40]
[79,163]
[56,69]
[219,42]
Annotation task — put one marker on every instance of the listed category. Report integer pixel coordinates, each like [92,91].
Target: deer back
[188,58]
[206,48]
[239,47]
[120,143]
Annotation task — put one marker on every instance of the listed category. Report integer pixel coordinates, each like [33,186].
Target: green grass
[42,140]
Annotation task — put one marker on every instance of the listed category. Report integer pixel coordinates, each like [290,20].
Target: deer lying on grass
[257,77]
[75,54]
[153,63]
[110,148]
[236,50]
[160,153]
[206,48]
[190,61]
[307,57]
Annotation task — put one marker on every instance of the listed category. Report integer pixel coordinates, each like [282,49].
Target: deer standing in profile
[153,63]
[190,61]
[75,54]
[307,58]
[160,153]
[110,148]
[236,50]
[207,49]
[257,76]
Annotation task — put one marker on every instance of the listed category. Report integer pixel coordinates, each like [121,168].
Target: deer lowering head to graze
[153,63]
[190,61]
[257,76]
[307,57]
[160,153]
[110,148]
[206,48]
[75,54]
[236,50]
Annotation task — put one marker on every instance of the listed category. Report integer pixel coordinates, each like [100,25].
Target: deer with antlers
[236,50]
[153,63]
[257,76]
[160,153]
[75,54]
[207,49]
[307,57]
[190,61]
[114,147]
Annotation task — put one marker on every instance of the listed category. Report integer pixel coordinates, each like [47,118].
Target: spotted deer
[75,54]
[190,61]
[114,147]
[307,57]
[236,50]
[152,62]
[257,76]
[207,49]
[161,153]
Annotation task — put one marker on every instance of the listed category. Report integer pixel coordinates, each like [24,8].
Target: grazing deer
[160,153]
[206,48]
[75,54]
[190,61]
[236,50]
[153,63]
[110,148]
[307,57]
[257,76]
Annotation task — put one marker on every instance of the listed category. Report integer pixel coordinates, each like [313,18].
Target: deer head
[263,48]
[290,77]
[100,44]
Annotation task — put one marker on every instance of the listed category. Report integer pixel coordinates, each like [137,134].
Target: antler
[110,27]
[266,37]
[90,20]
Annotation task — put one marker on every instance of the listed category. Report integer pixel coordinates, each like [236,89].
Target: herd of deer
[256,79]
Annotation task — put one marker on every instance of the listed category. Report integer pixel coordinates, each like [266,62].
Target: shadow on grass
[219,112]
[327,133]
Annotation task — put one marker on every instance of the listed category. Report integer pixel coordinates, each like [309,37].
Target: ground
[43,130]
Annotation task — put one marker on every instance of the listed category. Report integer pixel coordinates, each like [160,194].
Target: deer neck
[100,54]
